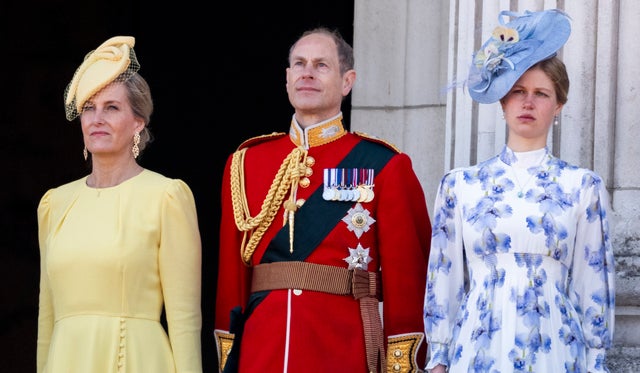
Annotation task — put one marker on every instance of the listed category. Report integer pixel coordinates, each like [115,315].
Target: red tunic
[311,331]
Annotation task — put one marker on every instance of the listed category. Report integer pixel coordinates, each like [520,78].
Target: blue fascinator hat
[513,48]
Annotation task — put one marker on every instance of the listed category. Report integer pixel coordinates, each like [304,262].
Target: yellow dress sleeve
[45,314]
[180,260]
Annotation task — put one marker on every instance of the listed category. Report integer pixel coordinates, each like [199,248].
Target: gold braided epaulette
[378,140]
[262,138]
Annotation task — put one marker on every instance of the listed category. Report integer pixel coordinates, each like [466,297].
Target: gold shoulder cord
[286,179]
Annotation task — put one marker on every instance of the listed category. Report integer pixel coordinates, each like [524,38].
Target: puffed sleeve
[592,287]
[180,263]
[445,272]
[45,308]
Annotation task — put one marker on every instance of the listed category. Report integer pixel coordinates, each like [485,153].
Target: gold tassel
[285,181]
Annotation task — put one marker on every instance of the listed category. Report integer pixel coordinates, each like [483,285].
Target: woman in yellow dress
[121,244]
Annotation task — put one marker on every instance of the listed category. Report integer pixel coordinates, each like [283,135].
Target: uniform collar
[317,134]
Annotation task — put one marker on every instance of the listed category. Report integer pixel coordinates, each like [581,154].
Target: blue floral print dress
[521,269]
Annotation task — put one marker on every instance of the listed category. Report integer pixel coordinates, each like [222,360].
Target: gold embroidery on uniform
[224,342]
[402,351]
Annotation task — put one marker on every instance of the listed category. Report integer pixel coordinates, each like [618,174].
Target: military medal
[328,192]
[370,195]
[358,220]
[354,194]
[362,192]
[345,194]
[348,184]
[359,258]
[365,185]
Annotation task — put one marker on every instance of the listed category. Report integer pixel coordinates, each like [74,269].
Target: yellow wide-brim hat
[100,67]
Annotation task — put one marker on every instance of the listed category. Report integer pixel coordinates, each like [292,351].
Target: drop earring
[136,140]
[85,153]
[555,120]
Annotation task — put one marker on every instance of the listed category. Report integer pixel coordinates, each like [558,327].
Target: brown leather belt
[363,285]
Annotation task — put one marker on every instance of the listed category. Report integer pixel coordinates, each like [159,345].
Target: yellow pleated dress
[111,259]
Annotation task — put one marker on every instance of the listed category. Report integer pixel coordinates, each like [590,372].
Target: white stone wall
[400,71]
[409,51]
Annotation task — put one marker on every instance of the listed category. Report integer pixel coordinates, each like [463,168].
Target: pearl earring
[555,121]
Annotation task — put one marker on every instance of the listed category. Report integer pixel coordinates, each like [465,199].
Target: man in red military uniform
[319,228]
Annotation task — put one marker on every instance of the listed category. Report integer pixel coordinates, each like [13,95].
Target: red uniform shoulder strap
[378,140]
[262,138]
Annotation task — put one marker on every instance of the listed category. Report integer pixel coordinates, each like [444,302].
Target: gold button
[310,161]
[397,367]
[304,182]
[300,202]
[397,353]
[308,172]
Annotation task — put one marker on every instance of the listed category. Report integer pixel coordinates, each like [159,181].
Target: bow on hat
[513,48]
[99,68]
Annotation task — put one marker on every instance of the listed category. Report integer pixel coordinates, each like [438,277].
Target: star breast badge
[358,220]
[359,258]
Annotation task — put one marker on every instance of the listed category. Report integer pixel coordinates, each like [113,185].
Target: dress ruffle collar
[523,159]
